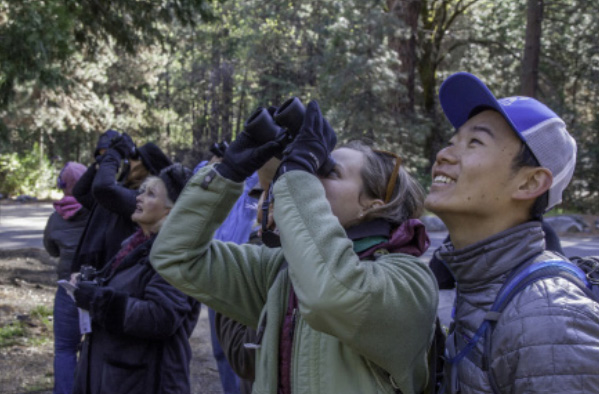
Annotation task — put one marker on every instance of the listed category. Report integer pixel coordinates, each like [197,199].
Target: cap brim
[461,93]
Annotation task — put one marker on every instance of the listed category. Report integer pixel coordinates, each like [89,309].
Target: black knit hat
[104,140]
[153,158]
[175,177]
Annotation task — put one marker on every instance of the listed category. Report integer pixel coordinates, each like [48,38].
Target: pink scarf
[67,207]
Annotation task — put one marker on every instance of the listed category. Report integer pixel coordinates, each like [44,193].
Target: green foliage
[39,36]
[10,334]
[19,332]
[71,69]
[28,173]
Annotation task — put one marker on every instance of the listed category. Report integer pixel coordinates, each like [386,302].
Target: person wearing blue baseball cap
[507,164]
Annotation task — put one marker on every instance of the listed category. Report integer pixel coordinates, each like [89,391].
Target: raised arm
[83,188]
[360,302]
[232,279]
[108,192]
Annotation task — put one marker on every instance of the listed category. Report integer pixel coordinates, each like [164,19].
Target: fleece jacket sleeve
[232,279]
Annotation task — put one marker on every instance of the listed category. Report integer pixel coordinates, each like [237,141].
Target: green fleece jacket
[362,326]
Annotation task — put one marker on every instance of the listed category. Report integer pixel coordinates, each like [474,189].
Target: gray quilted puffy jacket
[547,338]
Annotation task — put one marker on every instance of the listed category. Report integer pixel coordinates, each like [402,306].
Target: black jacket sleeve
[108,192]
[82,191]
[444,277]
[49,243]
[232,336]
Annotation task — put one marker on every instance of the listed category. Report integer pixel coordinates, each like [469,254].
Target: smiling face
[344,185]
[473,177]
[152,205]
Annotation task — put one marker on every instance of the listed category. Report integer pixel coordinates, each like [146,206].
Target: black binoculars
[282,126]
[87,273]
[218,149]
[133,153]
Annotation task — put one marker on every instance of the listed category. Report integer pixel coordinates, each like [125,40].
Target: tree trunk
[215,81]
[529,78]
[227,100]
[404,44]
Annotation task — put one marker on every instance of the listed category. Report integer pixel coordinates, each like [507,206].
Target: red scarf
[134,241]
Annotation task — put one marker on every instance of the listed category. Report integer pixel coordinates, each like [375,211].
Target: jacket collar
[495,256]
[410,237]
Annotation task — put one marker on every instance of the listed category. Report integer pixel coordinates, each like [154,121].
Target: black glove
[310,151]
[84,294]
[244,156]
[124,145]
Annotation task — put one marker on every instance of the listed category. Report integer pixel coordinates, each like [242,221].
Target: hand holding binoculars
[282,125]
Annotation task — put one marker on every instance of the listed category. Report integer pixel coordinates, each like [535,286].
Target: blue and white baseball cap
[537,126]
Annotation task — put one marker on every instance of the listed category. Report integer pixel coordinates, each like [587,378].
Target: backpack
[581,271]
[436,360]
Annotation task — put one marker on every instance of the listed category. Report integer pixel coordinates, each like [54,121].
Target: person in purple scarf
[61,237]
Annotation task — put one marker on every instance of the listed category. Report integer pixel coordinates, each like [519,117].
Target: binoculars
[218,149]
[133,153]
[87,273]
[282,126]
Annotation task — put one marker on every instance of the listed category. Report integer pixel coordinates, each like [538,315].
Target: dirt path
[27,278]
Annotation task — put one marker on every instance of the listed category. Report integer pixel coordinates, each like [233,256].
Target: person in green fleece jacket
[344,305]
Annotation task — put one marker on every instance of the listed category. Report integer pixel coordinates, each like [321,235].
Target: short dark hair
[525,158]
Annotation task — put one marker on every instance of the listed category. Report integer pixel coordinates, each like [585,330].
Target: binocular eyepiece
[132,149]
[282,126]
[218,149]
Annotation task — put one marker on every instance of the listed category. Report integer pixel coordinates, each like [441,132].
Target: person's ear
[534,182]
[372,204]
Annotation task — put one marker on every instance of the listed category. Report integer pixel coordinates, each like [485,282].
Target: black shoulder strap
[590,266]
[435,360]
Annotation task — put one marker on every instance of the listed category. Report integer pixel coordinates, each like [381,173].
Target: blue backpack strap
[515,284]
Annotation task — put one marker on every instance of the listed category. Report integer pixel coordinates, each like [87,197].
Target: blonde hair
[407,198]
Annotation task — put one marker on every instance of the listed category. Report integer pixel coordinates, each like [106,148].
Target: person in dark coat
[140,324]
[61,236]
[112,203]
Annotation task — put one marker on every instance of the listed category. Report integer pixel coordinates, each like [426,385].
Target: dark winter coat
[61,237]
[140,332]
[111,207]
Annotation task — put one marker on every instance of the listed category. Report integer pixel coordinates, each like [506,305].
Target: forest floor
[27,288]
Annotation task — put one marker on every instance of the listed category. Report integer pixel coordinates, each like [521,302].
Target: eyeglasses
[393,179]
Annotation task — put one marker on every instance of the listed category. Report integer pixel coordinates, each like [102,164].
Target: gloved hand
[124,145]
[84,294]
[244,156]
[311,149]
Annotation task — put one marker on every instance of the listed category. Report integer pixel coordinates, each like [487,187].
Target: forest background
[188,73]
